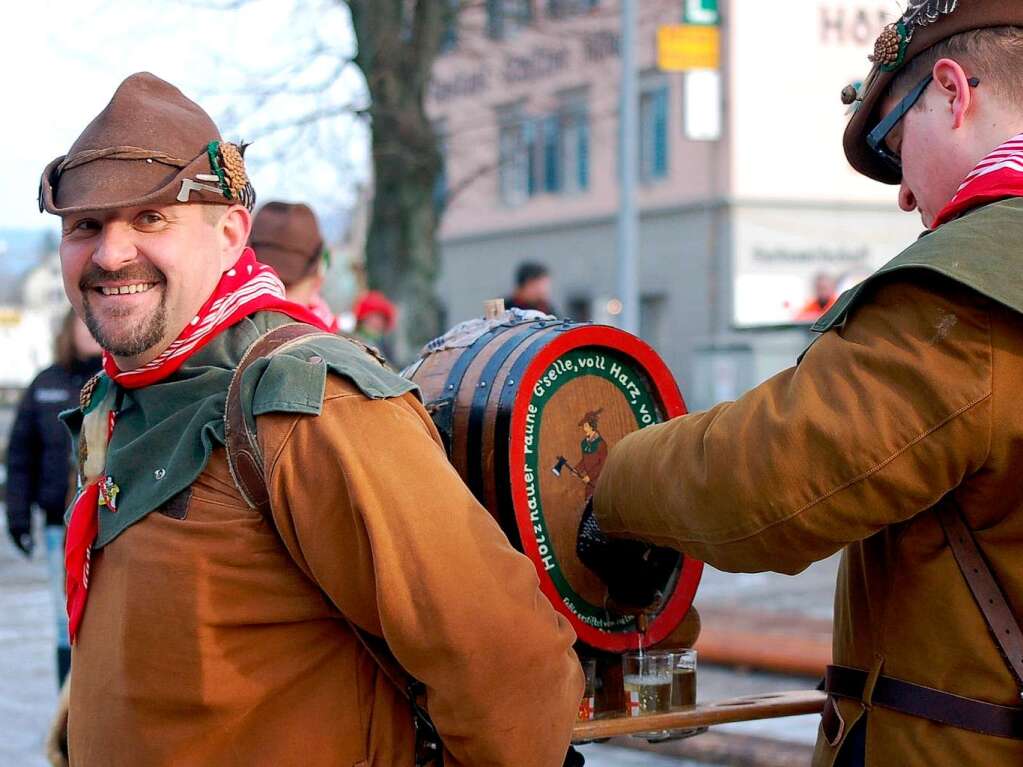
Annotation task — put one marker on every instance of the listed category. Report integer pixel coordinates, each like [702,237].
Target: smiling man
[271,607]
[898,438]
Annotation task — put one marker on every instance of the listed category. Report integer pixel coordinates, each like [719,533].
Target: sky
[256,69]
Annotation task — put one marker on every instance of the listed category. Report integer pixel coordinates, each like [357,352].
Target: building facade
[746,201]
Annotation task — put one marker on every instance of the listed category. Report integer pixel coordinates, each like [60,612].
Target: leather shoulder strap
[245,460]
[244,456]
[989,597]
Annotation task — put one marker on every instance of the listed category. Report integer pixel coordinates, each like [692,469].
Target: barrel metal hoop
[480,399]
[502,448]
[444,408]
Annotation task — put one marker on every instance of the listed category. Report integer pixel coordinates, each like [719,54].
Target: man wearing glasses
[898,438]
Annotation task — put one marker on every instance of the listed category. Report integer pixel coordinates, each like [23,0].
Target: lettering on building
[601,45]
[851,25]
[538,63]
[459,86]
[810,255]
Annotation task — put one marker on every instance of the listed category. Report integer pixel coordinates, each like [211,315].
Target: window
[580,308]
[551,160]
[449,35]
[560,9]
[574,143]
[506,17]
[516,176]
[544,155]
[653,133]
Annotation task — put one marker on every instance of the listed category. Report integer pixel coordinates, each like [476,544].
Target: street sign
[685,47]
[701,12]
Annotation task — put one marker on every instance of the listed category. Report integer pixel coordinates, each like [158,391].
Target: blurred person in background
[825,293]
[39,460]
[532,289]
[375,316]
[286,236]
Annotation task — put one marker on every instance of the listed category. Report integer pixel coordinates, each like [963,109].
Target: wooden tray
[769,706]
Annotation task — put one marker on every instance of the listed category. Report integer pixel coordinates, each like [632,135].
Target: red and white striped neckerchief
[248,287]
[998,176]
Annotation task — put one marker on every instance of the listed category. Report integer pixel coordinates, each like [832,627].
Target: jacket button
[159,474]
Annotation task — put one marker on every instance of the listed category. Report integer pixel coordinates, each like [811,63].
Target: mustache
[96,275]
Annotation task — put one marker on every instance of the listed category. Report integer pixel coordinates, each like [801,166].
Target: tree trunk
[398,43]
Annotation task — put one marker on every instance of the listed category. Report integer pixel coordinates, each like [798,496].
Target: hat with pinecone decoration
[151,145]
[924,24]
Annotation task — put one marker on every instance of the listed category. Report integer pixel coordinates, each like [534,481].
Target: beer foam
[647,680]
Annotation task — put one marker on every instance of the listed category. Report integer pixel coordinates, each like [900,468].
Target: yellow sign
[684,47]
[9,317]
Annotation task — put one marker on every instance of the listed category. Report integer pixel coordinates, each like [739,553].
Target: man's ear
[953,84]
[233,234]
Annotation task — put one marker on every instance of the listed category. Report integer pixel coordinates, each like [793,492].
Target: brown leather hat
[150,145]
[925,23]
[287,237]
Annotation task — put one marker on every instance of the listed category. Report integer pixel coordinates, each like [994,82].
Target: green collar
[166,432]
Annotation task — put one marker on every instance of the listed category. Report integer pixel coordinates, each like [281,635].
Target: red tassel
[81,533]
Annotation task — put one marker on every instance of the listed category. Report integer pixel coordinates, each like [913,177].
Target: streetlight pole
[628,224]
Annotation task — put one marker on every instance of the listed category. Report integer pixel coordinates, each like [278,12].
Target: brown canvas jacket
[913,402]
[211,638]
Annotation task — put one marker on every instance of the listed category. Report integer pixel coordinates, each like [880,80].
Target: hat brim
[868,113]
[288,264]
[109,184]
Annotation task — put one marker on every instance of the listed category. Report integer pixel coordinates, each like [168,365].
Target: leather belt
[927,703]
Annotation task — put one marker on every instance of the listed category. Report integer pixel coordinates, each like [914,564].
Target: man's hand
[634,572]
[21,537]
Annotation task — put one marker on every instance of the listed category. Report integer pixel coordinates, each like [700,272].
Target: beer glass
[683,679]
[646,677]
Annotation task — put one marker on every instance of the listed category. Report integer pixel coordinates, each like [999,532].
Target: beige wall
[784,67]
[730,242]
[557,49]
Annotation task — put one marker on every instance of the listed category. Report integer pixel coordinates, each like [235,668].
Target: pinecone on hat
[888,47]
[232,163]
[234,168]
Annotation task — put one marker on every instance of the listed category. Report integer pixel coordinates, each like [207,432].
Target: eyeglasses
[876,139]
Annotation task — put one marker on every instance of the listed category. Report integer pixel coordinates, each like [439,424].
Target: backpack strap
[244,457]
[988,595]
[245,461]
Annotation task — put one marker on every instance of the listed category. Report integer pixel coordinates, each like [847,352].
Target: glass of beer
[683,679]
[647,678]
[588,704]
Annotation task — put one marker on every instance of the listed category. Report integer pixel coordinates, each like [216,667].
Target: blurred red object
[375,302]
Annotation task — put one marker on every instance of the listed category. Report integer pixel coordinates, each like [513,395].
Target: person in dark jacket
[532,289]
[39,459]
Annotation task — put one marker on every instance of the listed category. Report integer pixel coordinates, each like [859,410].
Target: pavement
[28,686]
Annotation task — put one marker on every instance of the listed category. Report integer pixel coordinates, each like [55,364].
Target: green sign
[701,12]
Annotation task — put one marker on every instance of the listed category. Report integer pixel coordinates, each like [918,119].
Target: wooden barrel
[528,410]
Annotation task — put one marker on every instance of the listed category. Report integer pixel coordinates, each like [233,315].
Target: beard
[129,339]
[132,336]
